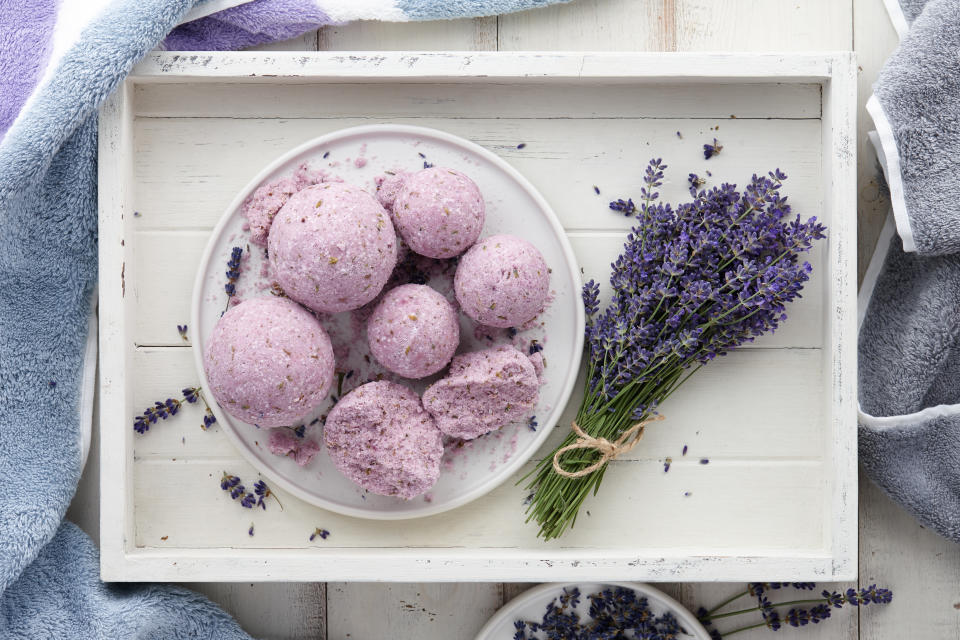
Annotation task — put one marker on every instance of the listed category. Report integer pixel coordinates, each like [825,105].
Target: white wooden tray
[776,420]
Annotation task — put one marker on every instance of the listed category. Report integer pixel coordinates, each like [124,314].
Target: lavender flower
[233,274]
[692,283]
[249,501]
[250,530]
[319,533]
[710,150]
[170,407]
[182,330]
[208,419]
[522,145]
[263,492]
[532,423]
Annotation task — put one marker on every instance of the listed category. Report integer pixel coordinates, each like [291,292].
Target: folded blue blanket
[53,84]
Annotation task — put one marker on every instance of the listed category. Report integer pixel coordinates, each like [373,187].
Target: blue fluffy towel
[909,345]
[49,584]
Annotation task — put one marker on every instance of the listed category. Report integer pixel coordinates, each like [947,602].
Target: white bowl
[531,605]
[513,206]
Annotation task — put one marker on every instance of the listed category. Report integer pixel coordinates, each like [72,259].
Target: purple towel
[26,33]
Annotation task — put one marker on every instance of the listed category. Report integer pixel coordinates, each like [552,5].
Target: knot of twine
[608,450]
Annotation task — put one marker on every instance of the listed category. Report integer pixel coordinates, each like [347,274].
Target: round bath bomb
[439,212]
[414,331]
[484,391]
[380,437]
[269,362]
[332,247]
[502,281]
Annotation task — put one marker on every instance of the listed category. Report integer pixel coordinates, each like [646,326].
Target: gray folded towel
[909,382]
[909,343]
[916,110]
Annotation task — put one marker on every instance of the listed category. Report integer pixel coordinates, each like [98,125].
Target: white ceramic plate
[531,604]
[513,206]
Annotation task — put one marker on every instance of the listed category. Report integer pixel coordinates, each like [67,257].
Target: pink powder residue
[360,163]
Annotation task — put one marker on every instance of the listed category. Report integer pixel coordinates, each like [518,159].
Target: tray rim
[120,560]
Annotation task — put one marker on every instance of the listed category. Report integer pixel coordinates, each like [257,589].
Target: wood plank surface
[921,567]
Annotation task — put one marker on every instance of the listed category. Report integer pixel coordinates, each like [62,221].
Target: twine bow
[608,450]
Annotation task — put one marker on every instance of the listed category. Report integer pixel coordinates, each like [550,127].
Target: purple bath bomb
[332,247]
[502,281]
[484,391]
[438,212]
[268,362]
[414,331]
[380,437]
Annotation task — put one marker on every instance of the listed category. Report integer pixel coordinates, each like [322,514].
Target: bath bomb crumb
[483,391]
[413,331]
[380,437]
[284,442]
[269,362]
[332,247]
[502,281]
[438,212]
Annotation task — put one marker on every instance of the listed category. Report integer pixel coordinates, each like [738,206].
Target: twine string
[607,450]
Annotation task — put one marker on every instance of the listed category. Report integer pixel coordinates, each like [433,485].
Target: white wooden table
[921,568]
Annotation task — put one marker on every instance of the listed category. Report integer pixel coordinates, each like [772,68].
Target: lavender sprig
[233,274]
[692,283]
[794,617]
[161,410]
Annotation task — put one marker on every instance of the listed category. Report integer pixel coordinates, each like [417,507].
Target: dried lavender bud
[710,150]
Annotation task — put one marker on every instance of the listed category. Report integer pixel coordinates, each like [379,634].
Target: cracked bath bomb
[502,281]
[284,442]
[332,247]
[263,204]
[483,391]
[380,437]
[268,362]
[438,212]
[414,331]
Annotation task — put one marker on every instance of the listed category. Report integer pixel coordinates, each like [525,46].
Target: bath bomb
[332,247]
[502,281]
[438,212]
[413,331]
[380,437]
[262,205]
[268,362]
[484,391]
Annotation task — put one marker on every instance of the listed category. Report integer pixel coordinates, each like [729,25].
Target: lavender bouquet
[691,284]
